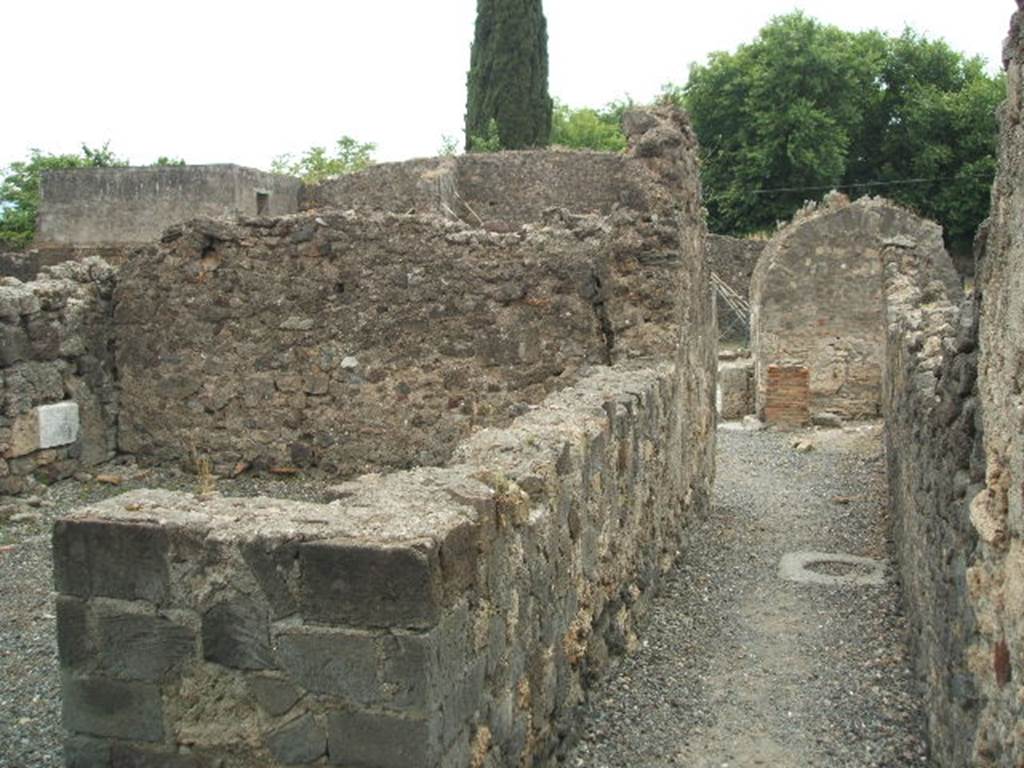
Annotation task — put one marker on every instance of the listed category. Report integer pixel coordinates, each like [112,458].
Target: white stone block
[58,424]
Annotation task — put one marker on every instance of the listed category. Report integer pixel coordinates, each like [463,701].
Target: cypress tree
[508,75]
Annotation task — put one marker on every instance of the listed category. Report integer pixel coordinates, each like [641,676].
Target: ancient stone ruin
[507,365]
[817,308]
[516,381]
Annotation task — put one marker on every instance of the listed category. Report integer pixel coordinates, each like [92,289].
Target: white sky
[226,81]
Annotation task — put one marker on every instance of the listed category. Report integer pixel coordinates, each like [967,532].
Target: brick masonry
[788,396]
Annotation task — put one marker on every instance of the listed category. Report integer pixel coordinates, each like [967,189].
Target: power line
[862,184]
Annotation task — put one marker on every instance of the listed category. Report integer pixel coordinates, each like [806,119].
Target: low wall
[59,399]
[439,617]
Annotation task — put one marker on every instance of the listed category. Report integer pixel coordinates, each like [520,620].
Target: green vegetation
[806,107]
[588,128]
[315,164]
[19,190]
[508,77]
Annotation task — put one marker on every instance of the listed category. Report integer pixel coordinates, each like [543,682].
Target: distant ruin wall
[354,340]
[59,396]
[435,618]
[119,206]
[816,301]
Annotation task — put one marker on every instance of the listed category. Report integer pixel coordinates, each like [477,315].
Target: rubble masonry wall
[59,404]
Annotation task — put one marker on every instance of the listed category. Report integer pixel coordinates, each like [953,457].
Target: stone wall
[733,259]
[816,300]
[997,578]
[954,424]
[354,341]
[59,400]
[935,463]
[439,617]
[86,207]
[504,190]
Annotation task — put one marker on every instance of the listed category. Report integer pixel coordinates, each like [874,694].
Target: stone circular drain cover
[831,569]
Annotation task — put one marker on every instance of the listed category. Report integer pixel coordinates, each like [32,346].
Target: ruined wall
[502,191]
[816,300]
[997,578]
[439,617]
[355,340]
[733,259]
[117,206]
[935,462]
[954,405]
[58,409]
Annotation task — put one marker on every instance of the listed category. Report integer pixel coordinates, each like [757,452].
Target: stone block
[362,585]
[369,740]
[111,559]
[271,563]
[340,664]
[298,742]
[73,644]
[24,438]
[113,708]
[86,752]
[127,756]
[236,634]
[143,647]
[14,344]
[58,424]
[274,695]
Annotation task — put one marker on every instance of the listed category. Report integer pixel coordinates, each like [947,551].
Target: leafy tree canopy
[806,107]
[316,164]
[19,190]
[588,128]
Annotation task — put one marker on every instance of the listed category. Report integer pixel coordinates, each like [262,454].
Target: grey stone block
[271,563]
[300,741]
[126,756]
[86,752]
[111,559]
[354,584]
[337,664]
[367,740]
[139,647]
[73,646]
[113,708]
[236,634]
[14,345]
[275,696]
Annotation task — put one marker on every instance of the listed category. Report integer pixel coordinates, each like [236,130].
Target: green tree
[588,128]
[807,106]
[316,164]
[19,190]
[508,75]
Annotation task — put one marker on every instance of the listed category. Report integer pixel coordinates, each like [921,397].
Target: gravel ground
[741,668]
[738,667]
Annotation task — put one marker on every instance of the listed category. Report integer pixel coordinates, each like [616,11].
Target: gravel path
[742,668]
[738,668]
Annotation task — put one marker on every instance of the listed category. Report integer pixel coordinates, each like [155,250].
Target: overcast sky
[224,81]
